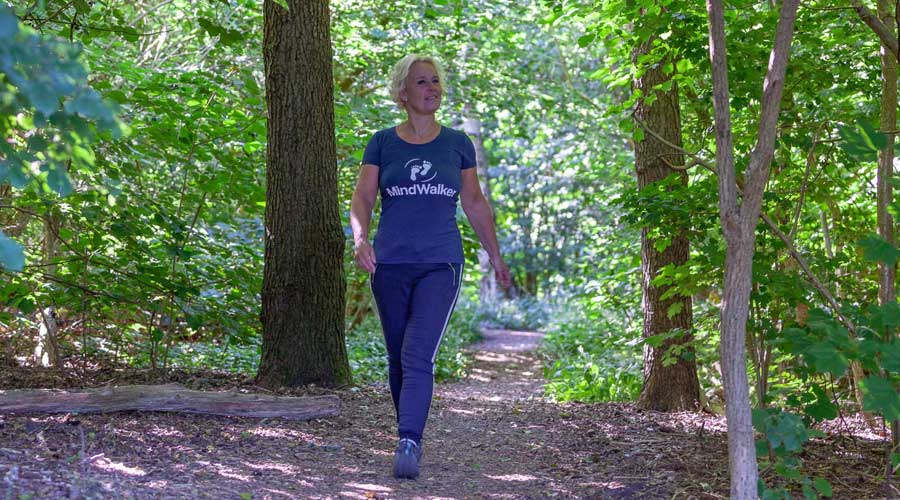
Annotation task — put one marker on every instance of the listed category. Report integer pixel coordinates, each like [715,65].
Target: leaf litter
[489,436]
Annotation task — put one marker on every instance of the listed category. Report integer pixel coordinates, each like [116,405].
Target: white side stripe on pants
[449,312]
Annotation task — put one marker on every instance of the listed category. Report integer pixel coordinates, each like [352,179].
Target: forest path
[490,436]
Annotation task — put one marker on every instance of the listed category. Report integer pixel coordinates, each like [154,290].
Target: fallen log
[168,397]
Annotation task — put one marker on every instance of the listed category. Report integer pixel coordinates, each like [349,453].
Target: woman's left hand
[501,271]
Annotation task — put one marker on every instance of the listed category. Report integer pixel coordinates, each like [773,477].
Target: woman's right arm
[361,214]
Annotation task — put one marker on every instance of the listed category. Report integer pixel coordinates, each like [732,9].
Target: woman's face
[422,92]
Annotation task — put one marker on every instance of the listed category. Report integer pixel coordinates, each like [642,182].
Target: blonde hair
[401,71]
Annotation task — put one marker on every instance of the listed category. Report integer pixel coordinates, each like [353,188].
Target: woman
[421,169]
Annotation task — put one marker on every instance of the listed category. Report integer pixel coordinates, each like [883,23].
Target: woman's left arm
[478,211]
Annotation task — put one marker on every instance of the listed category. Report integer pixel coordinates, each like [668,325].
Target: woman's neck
[421,127]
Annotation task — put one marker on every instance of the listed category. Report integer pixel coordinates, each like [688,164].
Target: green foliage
[11,256]
[585,358]
[368,357]
[784,435]
[861,141]
[525,313]
[49,116]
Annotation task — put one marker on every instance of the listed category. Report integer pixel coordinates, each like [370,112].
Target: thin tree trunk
[303,281]
[888,122]
[667,386]
[739,219]
[46,350]
[472,127]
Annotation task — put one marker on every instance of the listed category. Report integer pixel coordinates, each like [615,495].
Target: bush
[523,313]
[588,355]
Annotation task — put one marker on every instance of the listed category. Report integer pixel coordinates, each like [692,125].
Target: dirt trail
[490,436]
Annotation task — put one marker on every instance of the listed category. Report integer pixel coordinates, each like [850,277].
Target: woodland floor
[489,436]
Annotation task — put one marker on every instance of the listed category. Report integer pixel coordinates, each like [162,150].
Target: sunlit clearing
[513,477]
[108,465]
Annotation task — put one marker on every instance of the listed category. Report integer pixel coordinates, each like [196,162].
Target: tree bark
[739,220]
[673,387]
[169,397]
[888,123]
[303,281]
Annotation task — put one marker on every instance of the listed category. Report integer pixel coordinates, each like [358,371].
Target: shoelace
[411,445]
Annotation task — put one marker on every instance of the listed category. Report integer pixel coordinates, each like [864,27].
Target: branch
[728,202]
[681,168]
[697,158]
[757,172]
[822,289]
[888,40]
[810,158]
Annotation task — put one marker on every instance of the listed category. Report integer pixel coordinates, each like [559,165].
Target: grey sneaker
[406,459]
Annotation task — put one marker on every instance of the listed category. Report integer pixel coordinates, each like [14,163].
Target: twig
[699,159]
[810,158]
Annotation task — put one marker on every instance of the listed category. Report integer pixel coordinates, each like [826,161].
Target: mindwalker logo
[419,171]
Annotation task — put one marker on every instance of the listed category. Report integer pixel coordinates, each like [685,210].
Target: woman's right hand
[365,256]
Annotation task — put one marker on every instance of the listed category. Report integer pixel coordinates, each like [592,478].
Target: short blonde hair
[401,71]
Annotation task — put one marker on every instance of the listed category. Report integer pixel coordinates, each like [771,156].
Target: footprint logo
[418,172]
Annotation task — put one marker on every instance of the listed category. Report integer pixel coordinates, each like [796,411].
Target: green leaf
[890,357]
[128,33]
[58,180]
[788,432]
[809,493]
[876,249]
[587,39]
[283,4]
[822,486]
[674,309]
[82,7]
[861,141]
[12,257]
[822,408]
[879,395]
[18,177]
[827,359]
[9,23]
[209,26]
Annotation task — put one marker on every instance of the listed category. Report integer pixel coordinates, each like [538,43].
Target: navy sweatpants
[414,304]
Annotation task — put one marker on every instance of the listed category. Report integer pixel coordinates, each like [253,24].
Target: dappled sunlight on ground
[491,436]
[512,477]
[105,464]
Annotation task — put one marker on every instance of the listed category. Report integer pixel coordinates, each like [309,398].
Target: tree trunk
[739,220]
[673,387]
[303,281]
[472,127]
[888,123]
[46,349]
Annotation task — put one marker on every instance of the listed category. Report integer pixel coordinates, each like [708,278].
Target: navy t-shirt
[419,185]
